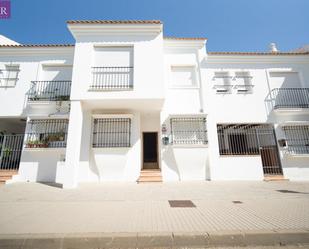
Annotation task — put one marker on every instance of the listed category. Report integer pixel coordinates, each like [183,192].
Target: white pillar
[74,143]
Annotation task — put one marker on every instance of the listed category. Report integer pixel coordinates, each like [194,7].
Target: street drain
[237,202]
[181,204]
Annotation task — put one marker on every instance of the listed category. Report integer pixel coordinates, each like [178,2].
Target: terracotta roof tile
[184,38]
[258,53]
[37,46]
[114,22]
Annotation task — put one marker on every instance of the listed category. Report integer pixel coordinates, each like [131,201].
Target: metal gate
[10,151]
[251,139]
[269,150]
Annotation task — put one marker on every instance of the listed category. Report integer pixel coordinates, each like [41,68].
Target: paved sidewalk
[222,208]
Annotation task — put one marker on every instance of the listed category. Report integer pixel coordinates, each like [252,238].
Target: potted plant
[37,143]
[64,97]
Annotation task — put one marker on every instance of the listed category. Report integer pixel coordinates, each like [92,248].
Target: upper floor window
[113,68]
[183,76]
[222,82]
[189,130]
[243,82]
[9,76]
[56,73]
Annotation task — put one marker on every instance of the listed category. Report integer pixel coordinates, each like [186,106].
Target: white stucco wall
[153,100]
[40,165]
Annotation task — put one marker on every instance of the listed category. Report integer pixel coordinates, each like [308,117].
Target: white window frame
[244,88]
[223,88]
[5,76]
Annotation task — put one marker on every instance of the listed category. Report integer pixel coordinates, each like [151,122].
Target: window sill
[110,148]
[258,155]
[44,149]
[289,154]
[189,145]
[184,87]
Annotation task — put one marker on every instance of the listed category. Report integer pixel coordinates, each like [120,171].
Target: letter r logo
[5,9]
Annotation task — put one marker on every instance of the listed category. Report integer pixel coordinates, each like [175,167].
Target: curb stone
[154,240]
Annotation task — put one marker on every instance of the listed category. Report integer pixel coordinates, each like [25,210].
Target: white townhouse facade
[125,103]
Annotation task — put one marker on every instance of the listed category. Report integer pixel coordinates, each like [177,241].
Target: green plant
[7,152]
[64,97]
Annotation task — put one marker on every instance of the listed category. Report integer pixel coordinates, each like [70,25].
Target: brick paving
[34,208]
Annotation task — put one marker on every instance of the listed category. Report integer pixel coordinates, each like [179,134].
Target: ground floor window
[244,139]
[111,132]
[43,133]
[188,130]
[297,139]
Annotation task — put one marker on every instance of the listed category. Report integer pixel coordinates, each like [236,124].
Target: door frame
[157,145]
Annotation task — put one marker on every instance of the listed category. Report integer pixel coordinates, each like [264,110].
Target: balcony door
[150,150]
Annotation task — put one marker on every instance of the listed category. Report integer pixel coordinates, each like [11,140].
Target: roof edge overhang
[97,28]
[184,42]
[20,50]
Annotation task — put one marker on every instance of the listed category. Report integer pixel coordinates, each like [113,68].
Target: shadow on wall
[169,158]
[187,162]
[274,97]
[42,169]
[112,163]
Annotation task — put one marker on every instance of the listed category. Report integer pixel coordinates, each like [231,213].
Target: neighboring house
[125,103]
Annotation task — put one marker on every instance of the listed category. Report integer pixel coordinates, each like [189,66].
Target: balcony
[112,79]
[50,91]
[290,98]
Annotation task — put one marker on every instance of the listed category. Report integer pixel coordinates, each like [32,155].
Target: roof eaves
[36,45]
[258,53]
[184,38]
[114,22]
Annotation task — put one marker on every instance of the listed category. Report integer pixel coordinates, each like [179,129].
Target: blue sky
[229,25]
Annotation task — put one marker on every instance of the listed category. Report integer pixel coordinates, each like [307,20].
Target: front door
[269,151]
[150,150]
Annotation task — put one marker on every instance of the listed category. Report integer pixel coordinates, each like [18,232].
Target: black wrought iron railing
[297,139]
[10,151]
[290,98]
[50,90]
[111,132]
[244,139]
[112,78]
[187,130]
[46,133]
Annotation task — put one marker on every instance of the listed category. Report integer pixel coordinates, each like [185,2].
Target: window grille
[244,139]
[188,130]
[43,133]
[9,76]
[223,82]
[111,132]
[297,138]
[244,82]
